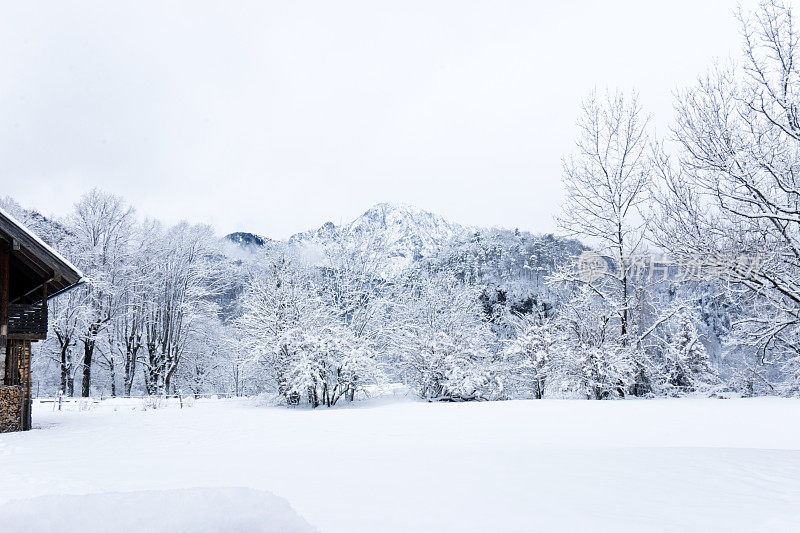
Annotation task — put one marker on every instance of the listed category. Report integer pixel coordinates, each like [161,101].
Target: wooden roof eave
[48,264]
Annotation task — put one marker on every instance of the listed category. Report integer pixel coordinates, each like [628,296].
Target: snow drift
[154,511]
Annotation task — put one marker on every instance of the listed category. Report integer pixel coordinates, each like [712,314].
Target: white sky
[274,117]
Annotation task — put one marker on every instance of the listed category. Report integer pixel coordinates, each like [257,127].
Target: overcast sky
[274,117]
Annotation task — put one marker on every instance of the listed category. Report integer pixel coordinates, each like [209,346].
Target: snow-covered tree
[591,361]
[607,184]
[101,230]
[442,339]
[687,364]
[527,358]
[732,192]
[309,353]
[187,275]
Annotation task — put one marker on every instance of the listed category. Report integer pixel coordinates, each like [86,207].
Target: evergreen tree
[688,367]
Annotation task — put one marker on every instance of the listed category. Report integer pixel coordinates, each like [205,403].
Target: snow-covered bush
[442,339]
[526,359]
[299,341]
[149,403]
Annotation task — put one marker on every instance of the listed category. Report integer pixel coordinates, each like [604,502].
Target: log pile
[11,399]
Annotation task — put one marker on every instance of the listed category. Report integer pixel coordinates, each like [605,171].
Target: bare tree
[607,182]
[734,191]
[101,226]
[186,276]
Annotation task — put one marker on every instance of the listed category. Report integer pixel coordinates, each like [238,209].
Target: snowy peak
[327,232]
[395,211]
[402,232]
[246,240]
[398,221]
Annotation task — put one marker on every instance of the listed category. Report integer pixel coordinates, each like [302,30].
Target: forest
[693,238]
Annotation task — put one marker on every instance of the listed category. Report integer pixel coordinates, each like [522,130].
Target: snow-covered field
[659,465]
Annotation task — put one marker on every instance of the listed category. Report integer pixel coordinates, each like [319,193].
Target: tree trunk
[167,381]
[70,377]
[624,267]
[154,372]
[88,352]
[113,376]
[65,370]
[130,368]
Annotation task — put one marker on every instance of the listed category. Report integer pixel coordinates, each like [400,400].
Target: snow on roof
[39,241]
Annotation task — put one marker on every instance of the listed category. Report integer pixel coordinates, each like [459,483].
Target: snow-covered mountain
[402,233]
[245,239]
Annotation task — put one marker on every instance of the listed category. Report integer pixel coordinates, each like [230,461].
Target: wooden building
[31,272]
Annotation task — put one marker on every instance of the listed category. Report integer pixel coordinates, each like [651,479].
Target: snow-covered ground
[204,510]
[659,465]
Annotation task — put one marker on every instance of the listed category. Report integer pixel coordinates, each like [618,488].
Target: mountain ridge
[403,230]
[406,235]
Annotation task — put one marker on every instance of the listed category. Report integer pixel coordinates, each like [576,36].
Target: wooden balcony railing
[27,321]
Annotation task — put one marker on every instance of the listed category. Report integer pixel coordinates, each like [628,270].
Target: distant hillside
[245,239]
[50,231]
[408,237]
